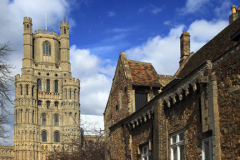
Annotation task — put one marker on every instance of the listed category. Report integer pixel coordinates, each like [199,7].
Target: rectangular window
[140,99]
[145,152]
[207,149]
[177,146]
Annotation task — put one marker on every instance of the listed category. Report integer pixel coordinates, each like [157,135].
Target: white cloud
[224,10]
[155,9]
[96,77]
[193,6]
[164,52]
[111,13]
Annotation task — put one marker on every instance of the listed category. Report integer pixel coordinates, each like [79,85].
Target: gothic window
[56,137]
[32,91]
[65,93]
[64,30]
[44,120]
[20,89]
[48,85]
[48,104]
[39,85]
[27,89]
[27,26]
[44,136]
[70,93]
[56,104]
[56,120]
[33,116]
[56,86]
[74,94]
[46,49]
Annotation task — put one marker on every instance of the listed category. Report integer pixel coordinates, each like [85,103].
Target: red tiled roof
[213,49]
[143,73]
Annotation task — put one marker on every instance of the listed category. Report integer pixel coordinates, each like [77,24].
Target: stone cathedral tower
[47,97]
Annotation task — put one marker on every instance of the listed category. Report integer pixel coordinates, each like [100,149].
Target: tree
[86,147]
[5,84]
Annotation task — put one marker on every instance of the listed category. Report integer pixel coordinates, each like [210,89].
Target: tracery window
[46,48]
[44,136]
[56,104]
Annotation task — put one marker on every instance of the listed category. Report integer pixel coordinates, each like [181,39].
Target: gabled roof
[211,50]
[143,73]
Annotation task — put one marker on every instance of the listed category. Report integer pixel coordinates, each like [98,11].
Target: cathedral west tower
[47,97]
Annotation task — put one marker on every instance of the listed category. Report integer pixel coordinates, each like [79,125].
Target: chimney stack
[184,47]
[234,14]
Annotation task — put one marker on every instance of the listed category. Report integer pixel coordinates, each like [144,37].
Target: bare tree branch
[6,81]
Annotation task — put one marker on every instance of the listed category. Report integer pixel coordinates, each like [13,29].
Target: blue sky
[100,29]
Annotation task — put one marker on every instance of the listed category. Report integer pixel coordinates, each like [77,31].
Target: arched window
[33,116]
[70,93]
[44,136]
[44,120]
[20,89]
[64,30]
[46,49]
[48,104]
[27,26]
[39,85]
[27,89]
[74,94]
[65,93]
[56,86]
[56,137]
[48,85]
[56,104]
[32,91]
[56,120]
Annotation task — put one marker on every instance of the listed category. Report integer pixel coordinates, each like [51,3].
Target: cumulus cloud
[164,52]
[96,78]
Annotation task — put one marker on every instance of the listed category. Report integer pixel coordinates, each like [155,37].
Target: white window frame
[177,144]
[209,139]
[145,155]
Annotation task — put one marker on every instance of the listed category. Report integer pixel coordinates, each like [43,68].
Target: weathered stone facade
[47,97]
[195,116]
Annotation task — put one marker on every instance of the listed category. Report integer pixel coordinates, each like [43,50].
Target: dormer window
[46,48]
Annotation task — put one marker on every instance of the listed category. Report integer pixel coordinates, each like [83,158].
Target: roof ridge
[139,61]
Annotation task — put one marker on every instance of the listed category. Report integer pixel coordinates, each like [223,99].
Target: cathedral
[47,97]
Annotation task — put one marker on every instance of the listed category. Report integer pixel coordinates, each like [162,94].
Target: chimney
[234,14]
[184,47]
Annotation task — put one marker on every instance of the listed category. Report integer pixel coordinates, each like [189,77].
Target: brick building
[194,114]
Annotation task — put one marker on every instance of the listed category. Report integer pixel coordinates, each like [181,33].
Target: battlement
[64,23]
[46,32]
[27,19]
[72,81]
[17,77]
